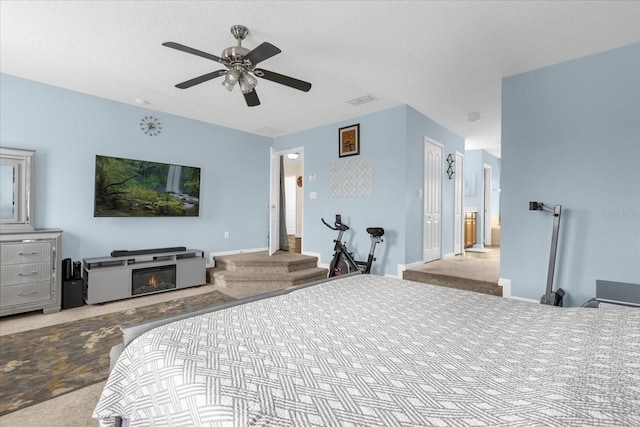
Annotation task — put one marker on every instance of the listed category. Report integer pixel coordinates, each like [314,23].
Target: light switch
[313,195]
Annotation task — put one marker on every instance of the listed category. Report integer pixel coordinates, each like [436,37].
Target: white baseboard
[506,291]
[412,265]
[529,300]
[506,287]
[403,267]
[317,255]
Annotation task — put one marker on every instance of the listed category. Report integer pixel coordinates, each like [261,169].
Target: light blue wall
[571,136]
[394,140]
[473,178]
[382,138]
[68,129]
[419,126]
[474,161]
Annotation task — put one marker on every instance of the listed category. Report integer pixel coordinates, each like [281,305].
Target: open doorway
[293,179]
[281,223]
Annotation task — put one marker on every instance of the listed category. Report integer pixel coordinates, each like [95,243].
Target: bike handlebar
[374,232]
[338,225]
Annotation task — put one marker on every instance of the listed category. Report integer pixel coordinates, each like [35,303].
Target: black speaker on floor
[77,270]
[67,269]
[72,293]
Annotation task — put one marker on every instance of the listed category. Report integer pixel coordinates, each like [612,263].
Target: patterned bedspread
[378,351]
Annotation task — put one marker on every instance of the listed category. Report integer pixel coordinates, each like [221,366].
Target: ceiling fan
[241,67]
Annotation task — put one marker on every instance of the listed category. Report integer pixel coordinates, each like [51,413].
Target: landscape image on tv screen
[126,187]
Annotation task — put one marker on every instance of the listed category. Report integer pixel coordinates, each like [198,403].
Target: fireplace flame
[153,281]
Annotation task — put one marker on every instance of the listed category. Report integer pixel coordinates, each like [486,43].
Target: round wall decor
[150,125]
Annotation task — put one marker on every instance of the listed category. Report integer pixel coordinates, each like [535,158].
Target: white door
[432,239]
[487,205]
[274,202]
[458,236]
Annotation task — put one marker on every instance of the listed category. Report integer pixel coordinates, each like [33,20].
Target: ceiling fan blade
[193,51]
[262,52]
[252,98]
[283,80]
[201,79]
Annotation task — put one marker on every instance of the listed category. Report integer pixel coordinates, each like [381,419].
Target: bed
[367,350]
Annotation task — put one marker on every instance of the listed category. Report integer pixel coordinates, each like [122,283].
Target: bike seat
[376,231]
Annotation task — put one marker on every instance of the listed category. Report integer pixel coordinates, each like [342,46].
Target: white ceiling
[443,58]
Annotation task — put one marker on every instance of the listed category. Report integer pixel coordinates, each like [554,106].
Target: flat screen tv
[126,187]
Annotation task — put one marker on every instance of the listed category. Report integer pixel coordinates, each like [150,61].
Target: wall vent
[361,100]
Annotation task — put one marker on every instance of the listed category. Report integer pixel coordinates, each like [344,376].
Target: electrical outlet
[226,234]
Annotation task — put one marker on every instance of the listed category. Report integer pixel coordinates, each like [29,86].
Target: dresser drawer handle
[32,253]
[27,294]
[28,274]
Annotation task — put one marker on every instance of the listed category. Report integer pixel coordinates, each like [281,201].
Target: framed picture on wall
[349,141]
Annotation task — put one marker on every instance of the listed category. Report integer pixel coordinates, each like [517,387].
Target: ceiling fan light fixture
[247,82]
[228,85]
[232,76]
[240,64]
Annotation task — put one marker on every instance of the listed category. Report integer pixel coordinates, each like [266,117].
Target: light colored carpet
[477,272]
[486,270]
[479,250]
[43,363]
[35,319]
[75,408]
[71,409]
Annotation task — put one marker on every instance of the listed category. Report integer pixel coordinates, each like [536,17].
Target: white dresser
[30,277]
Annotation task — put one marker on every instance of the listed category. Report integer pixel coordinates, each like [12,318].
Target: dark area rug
[44,363]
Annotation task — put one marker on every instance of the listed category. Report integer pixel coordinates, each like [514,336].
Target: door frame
[274,195]
[458,225]
[438,199]
[487,172]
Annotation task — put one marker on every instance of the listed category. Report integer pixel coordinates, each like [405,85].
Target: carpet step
[261,262]
[484,287]
[264,282]
[258,272]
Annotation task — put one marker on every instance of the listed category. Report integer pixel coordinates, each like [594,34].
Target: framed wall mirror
[17,196]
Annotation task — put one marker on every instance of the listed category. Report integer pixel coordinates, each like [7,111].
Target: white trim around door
[432,215]
[458,230]
[486,214]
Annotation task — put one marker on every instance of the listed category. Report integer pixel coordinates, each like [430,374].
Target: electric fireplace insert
[153,279]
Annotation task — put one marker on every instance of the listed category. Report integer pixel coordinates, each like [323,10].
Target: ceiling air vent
[361,100]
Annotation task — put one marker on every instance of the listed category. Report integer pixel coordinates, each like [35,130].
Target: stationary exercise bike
[343,261]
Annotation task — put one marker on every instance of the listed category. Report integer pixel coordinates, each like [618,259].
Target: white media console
[136,273]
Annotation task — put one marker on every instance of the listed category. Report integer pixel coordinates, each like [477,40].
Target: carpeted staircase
[257,272]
